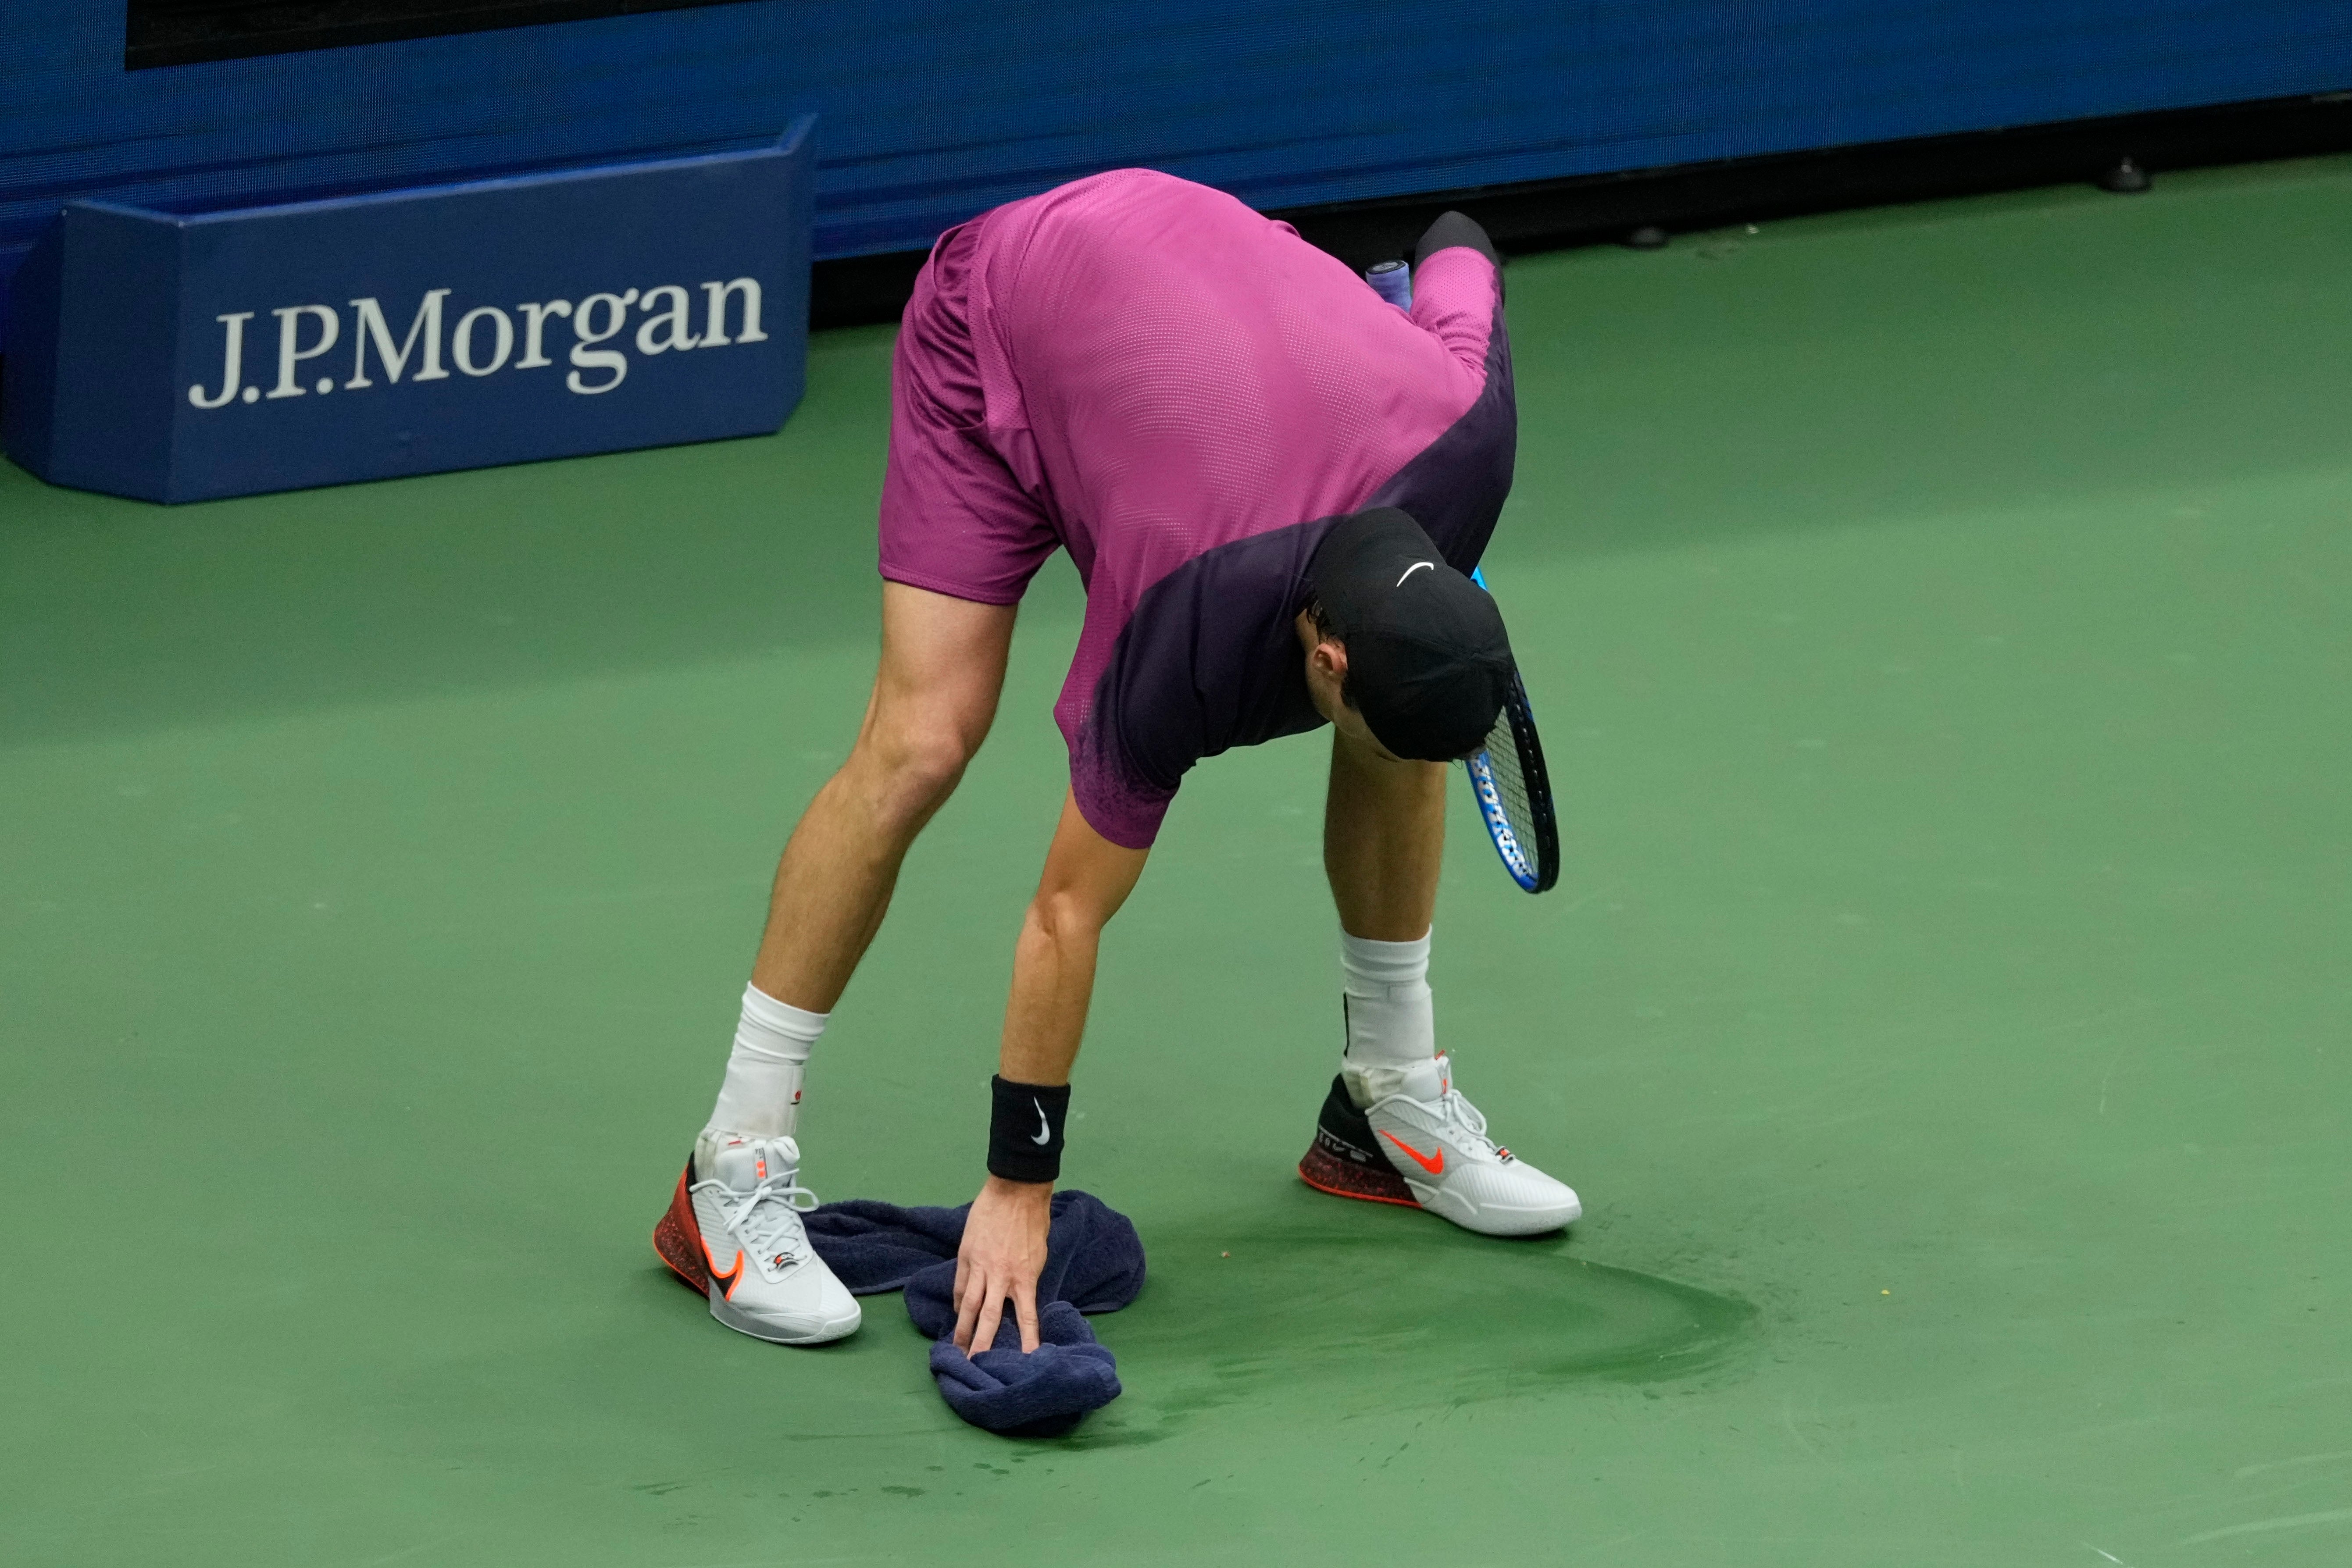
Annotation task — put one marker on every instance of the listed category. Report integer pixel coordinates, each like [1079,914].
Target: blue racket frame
[1498,828]
[1521,865]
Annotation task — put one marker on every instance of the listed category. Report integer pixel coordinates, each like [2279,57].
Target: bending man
[1272,484]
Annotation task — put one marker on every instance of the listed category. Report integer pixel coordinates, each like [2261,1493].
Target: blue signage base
[187,356]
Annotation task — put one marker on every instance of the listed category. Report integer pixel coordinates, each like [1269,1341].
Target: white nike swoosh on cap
[1416,565]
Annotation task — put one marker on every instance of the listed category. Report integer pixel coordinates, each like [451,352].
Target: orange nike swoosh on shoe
[731,1278]
[1434,1164]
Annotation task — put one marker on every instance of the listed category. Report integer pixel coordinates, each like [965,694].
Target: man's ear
[1331,656]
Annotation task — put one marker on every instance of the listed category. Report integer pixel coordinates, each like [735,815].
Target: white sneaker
[1422,1144]
[733,1232]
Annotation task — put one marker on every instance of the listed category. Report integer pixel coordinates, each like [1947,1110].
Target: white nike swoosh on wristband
[1416,565]
[1045,1128]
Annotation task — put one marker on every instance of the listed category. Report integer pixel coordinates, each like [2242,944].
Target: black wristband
[1025,1130]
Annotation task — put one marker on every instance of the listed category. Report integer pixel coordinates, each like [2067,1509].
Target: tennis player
[1272,483]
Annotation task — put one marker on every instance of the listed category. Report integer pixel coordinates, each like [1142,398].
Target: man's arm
[1087,878]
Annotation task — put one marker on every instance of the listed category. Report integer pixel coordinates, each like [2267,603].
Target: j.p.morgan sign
[181,357]
[483,342]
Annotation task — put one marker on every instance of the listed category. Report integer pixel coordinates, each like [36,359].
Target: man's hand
[1003,1252]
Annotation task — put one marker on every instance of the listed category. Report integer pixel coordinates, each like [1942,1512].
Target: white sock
[762,1092]
[1392,1015]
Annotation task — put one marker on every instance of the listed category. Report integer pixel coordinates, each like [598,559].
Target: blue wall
[932,111]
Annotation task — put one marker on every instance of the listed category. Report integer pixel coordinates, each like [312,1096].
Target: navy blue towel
[1093,1263]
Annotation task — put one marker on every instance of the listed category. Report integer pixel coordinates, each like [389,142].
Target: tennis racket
[1514,790]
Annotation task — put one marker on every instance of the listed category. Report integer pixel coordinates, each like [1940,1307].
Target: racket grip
[1392,281]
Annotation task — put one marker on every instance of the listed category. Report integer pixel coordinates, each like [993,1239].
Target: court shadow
[1340,1326]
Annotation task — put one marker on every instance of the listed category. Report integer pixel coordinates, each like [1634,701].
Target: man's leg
[733,1227]
[1383,837]
[934,697]
[1395,1129]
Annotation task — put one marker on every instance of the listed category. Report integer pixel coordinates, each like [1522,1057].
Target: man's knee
[934,698]
[914,764]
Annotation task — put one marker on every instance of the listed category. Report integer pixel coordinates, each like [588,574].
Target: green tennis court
[1942,622]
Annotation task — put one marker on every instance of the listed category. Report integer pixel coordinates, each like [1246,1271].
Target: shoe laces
[1460,1114]
[765,1220]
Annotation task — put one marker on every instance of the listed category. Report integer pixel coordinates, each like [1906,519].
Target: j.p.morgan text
[483,341]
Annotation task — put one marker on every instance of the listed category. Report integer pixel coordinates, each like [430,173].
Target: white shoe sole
[1496,1218]
[823,1331]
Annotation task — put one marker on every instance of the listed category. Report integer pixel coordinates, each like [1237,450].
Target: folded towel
[1093,1263]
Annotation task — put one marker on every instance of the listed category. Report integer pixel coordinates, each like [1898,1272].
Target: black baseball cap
[1428,661]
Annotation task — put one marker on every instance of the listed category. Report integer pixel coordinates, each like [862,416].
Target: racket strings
[1510,782]
[1512,786]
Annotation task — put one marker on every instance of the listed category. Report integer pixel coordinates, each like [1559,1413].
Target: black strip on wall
[185,32]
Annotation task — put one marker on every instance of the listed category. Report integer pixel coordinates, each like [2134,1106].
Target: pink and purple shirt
[1184,395]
